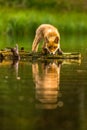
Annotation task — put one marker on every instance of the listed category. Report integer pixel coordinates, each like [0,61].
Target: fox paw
[45,51]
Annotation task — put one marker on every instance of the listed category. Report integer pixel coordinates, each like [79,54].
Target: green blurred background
[57,5]
[20,18]
[23,16]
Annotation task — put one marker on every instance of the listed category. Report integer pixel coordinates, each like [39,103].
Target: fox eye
[50,47]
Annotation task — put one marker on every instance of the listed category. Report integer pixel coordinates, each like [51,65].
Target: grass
[25,22]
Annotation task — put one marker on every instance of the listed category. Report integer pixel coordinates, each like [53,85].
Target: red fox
[51,38]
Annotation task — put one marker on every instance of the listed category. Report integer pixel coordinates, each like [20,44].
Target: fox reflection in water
[46,84]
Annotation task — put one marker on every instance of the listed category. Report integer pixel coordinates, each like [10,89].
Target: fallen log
[24,55]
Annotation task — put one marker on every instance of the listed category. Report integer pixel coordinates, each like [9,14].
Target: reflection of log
[8,55]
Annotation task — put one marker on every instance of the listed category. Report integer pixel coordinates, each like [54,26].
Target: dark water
[45,95]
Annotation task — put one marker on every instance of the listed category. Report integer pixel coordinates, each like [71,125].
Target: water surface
[45,95]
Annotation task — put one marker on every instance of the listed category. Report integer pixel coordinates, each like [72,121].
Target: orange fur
[47,84]
[51,38]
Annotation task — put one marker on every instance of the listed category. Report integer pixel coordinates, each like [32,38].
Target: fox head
[52,44]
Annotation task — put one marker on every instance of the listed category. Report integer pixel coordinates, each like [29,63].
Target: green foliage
[25,22]
[58,5]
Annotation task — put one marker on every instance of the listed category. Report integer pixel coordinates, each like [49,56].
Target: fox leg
[44,49]
[36,43]
[59,51]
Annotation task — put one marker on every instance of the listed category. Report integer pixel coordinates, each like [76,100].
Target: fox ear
[46,40]
[56,40]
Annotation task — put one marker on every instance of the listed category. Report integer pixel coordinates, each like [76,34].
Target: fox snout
[52,49]
[52,45]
